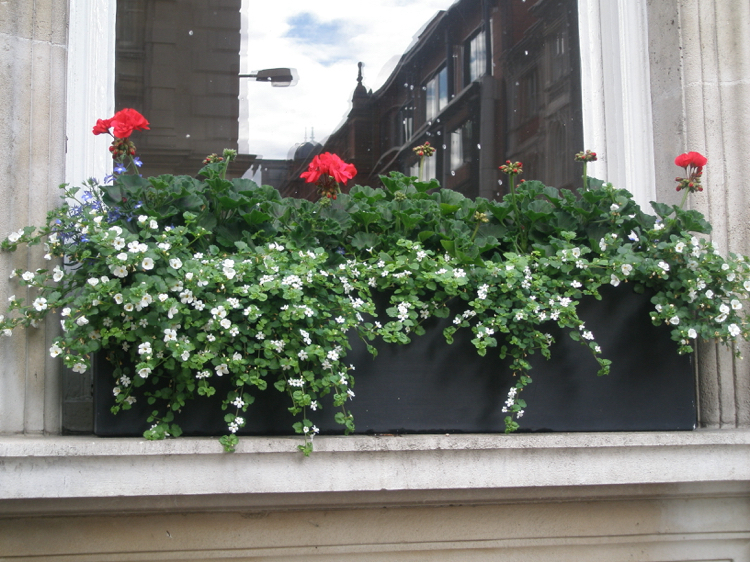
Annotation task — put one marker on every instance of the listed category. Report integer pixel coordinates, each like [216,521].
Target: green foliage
[188,280]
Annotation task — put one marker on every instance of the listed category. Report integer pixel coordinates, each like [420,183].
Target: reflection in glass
[484,81]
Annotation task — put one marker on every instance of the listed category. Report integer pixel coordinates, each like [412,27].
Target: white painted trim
[616,92]
[90,87]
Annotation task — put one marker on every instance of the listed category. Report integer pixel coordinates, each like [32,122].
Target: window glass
[423,77]
[477,56]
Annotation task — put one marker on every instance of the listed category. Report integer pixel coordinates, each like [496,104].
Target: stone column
[33,54]
[700,77]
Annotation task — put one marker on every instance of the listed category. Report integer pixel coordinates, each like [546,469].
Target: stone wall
[33,54]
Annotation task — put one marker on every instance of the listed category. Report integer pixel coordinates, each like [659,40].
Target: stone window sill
[43,474]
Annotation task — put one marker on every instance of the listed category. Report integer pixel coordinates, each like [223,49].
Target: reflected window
[437,94]
[477,53]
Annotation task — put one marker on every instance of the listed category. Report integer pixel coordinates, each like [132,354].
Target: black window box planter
[429,386]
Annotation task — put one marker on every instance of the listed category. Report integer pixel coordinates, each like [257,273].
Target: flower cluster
[693,163]
[328,171]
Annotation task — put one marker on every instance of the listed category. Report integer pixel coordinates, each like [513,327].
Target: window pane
[424,78]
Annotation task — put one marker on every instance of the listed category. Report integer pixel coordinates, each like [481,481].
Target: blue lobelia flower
[120,168]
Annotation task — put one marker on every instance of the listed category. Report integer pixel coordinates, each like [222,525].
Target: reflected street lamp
[278,77]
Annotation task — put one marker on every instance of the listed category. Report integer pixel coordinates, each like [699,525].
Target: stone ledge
[268,472]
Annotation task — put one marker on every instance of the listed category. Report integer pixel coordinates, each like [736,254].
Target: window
[406,118]
[477,57]
[460,147]
[437,94]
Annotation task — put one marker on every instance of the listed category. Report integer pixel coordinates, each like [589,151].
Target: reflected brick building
[486,81]
[177,63]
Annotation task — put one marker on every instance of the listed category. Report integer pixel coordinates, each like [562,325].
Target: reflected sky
[324,41]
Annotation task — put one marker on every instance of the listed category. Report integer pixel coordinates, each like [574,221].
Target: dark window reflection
[177,63]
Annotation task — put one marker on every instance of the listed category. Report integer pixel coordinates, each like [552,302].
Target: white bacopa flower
[458,273]
[633,236]
[185,355]
[237,357]
[142,218]
[55,350]
[709,294]
[340,319]
[14,237]
[674,320]
[122,256]
[65,311]
[170,335]
[724,309]
[144,373]
[120,271]
[27,276]
[226,323]
[82,321]
[692,334]
[40,304]
[614,207]
[222,369]
[664,265]
[175,263]
[79,368]
[93,281]
[736,305]
[679,247]
[144,348]
[153,224]
[614,280]
[734,330]
[164,246]
[118,243]
[128,306]
[147,263]
[626,269]
[118,298]
[576,284]
[659,225]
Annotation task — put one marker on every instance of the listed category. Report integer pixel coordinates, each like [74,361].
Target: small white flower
[40,304]
[633,236]
[185,355]
[142,218]
[674,320]
[692,334]
[153,224]
[626,269]
[55,350]
[614,280]
[147,263]
[144,373]
[736,305]
[175,263]
[27,276]
[222,369]
[709,294]
[128,307]
[734,330]
[120,271]
[664,265]
[57,274]
[79,368]
[340,319]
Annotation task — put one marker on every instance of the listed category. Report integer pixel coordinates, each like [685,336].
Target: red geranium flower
[329,165]
[102,126]
[695,159]
[124,122]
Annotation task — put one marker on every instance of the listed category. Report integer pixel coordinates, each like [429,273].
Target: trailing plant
[184,282]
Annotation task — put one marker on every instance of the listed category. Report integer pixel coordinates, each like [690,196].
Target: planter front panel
[429,386]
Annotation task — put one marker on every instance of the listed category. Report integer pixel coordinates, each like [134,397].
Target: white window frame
[617,121]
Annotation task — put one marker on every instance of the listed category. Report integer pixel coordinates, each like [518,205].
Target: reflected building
[486,81]
[177,63]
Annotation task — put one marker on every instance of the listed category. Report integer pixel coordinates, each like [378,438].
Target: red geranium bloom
[102,126]
[695,159]
[124,122]
[329,165]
